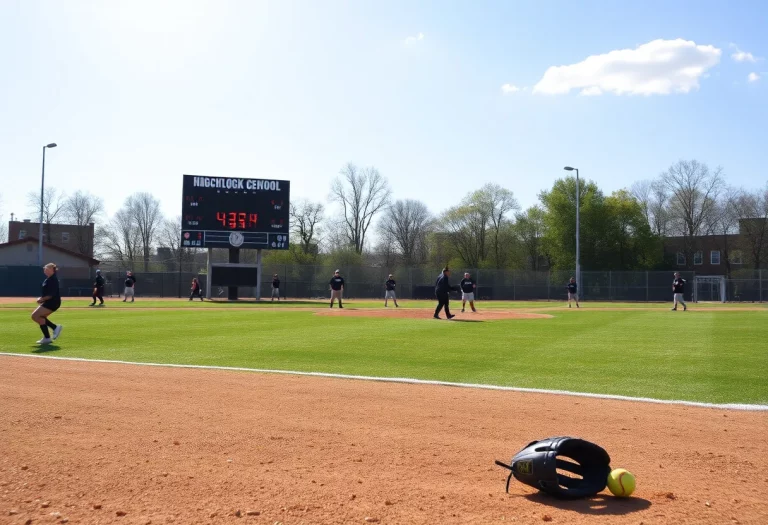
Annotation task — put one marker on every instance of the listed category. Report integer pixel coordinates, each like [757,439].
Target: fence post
[760,282]
[549,277]
[610,283]
[647,287]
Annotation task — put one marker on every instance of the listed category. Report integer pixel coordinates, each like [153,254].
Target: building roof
[25,240]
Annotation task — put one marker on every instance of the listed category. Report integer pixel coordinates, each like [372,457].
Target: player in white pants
[678,288]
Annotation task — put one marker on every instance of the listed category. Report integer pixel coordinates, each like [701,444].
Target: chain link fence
[302,282]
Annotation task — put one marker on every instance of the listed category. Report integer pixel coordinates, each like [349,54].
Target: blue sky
[138,93]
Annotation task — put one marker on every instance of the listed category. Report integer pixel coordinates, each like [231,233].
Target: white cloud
[508,89]
[659,67]
[412,39]
[743,56]
[753,77]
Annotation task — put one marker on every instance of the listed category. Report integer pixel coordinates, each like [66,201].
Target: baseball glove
[538,464]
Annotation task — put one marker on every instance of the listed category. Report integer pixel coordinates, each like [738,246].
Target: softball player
[337,288]
[468,288]
[130,286]
[573,292]
[678,288]
[389,293]
[49,302]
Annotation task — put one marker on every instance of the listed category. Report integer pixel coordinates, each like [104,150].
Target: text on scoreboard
[226,212]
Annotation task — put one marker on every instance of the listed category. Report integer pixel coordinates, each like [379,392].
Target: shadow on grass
[265,302]
[42,349]
[600,505]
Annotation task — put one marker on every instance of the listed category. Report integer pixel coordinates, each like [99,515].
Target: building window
[698,258]
[22,234]
[714,257]
[680,259]
[64,237]
[737,257]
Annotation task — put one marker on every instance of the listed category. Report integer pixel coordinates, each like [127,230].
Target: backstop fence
[298,281]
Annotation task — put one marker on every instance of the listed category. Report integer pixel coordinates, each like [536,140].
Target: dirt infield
[108,443]
[422,313]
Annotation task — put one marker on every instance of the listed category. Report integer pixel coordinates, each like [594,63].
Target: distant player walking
[468,288]
[678,287]
[389,291]
[130,286]
[195,291]
[337,288]
[573,292]
[49,302]
[98,289]
[275,287]
[442,292]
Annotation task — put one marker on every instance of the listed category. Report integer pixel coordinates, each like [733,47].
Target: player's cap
[98,271]
[336,271]
[390,275]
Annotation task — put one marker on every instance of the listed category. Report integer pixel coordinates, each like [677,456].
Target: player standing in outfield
[468,288]
[337,288]
[678,287]
[389,292]
[275,287]
[442,292]
[573,292]
[195,291]
[49,302]
[130,286]
[98,289]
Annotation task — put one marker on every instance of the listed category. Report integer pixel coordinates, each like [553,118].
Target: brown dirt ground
[87,441]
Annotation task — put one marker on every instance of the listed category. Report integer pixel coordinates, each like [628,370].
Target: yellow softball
[621,482]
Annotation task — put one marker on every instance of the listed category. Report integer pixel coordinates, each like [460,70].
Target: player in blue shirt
[573,292]
[49,302]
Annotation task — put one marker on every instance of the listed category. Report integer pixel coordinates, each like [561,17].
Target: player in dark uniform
[389,291]
[130,286]
[195,291]
[98,289]
[49,302]
[468,287]
[275,287]
[573,292]
[678,288]
[337,288]
[442,291]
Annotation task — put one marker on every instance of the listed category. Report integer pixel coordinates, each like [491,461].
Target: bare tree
[119,239]
[82,209]
[362,194]
[144,210]
[499,203]
[306,218]
[693,191]
[53,207]
[169,236]
[752,214]
[406,224]
[466,226]
[723,223]
[653,197]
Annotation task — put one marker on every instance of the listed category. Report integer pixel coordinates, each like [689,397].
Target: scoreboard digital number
[225,212]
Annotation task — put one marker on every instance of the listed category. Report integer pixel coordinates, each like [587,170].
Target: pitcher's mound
[422,313]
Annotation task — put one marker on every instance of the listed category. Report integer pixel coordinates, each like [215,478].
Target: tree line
[486,229]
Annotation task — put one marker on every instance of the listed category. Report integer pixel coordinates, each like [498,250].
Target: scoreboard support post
[234,257]
[210,273]
[258,278]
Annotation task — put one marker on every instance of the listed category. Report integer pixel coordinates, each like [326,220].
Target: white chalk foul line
[724,406]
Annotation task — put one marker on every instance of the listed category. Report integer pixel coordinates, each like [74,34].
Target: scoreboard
[225,212]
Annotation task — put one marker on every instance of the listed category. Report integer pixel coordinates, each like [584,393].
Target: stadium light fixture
[42,191]
[578,265]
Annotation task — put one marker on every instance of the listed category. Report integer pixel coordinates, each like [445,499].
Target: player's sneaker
[436,317]
[57,331]
[685,308]
[462,310]
[92,304]
[451,316]
[45,341]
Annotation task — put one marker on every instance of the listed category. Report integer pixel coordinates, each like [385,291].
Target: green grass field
[717,355]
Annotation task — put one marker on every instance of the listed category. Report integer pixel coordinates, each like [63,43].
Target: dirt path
[90,441]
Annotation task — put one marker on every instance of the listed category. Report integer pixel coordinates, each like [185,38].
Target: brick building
[70,237]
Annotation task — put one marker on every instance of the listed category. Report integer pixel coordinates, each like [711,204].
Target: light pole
[42,190]
[578,266]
